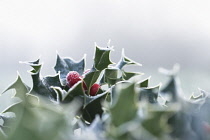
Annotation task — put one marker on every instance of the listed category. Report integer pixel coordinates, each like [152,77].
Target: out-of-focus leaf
[92,132]
[21,89]
[9,100]
[156,122]
[172,90]
[149,94]
[43,122]
[186,126]
[124,105]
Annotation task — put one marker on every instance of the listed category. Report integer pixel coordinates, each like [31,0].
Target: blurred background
[156,33]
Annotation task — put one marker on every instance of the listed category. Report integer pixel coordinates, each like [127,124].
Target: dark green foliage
[125,107]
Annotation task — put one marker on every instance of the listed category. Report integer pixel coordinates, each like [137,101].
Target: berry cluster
[73,77]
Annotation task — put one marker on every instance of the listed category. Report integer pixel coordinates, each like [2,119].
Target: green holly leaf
[93,106]
[91,78]
[144,83]
[112,76]
[102,58]
[64,96]
[149,94]
[7,118]
[124,107]
[128,75]
[42,85]
[156,122]
[6,121]
[44,121]
[20,87]
[126,61]
[64,65]
[9,100]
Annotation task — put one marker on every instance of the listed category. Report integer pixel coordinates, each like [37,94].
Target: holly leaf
[64,65]
[112,75]
[144,83]
[156,122]
[102,58]
[9,100]
[124,105]
[64,96]
[42,85]
[21,89]
[149,94]
[128,75]
[44,121]
[92,106]
[170,91]
[126,61]
[91,78]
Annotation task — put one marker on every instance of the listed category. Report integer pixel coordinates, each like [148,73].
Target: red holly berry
[72,78]
[94,89]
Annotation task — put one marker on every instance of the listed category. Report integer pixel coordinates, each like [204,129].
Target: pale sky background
[153,32]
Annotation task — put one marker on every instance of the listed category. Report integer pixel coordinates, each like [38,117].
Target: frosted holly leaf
[149,94]
[126,61]
[128,75]
[144,83]
[64,65]
[112,76]
[7,118]
[91,78]
[64,96]
[15,94]
[42,85]
[102,58]
[21,89]
[93,106]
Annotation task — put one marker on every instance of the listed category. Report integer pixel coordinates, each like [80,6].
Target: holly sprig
[124,107]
